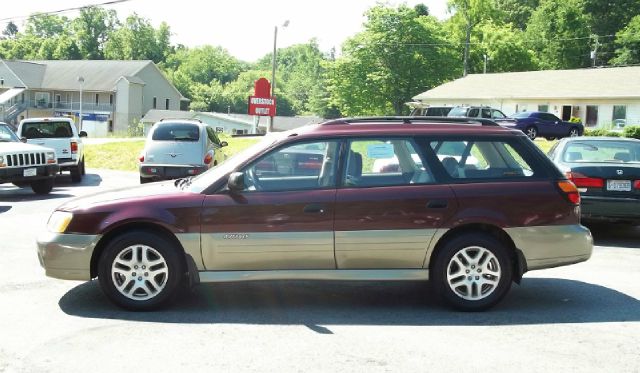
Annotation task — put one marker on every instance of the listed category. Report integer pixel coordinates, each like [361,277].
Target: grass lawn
[124,155]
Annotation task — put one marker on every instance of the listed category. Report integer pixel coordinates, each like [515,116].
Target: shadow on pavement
[87,180]
[537,301]
[63,188]
[5,209]
[615,234]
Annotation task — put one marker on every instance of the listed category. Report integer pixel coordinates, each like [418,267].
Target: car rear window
[458,112]
[483,159]
[176,132]
[45,130]
[602,151]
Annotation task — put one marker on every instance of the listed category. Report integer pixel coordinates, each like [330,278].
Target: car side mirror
[236,181]
[83,134]
[23,139]
[223,144]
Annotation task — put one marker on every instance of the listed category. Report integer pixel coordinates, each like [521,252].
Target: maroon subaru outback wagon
[468,205]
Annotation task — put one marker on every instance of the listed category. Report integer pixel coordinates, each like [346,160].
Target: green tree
[516,12]
[46,25]
[92,28]
[10,30]
[558,32]
[136,39]
[606,19]
[205,64]
[472,12]
[505,48]
[628,42]
[398,55]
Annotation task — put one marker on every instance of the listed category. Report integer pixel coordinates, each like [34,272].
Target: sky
[244,27]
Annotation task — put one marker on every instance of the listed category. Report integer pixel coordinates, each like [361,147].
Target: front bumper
[67,256]
[553,245]
[11,175]
[167,172]
[610,208]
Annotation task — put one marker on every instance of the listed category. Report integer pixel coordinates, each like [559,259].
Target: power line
[52,12]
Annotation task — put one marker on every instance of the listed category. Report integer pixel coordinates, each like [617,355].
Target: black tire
[82,170]
[494,287]
[42,186]
[551,138]
[574,131]
[144,180]
[165,288]
[76,174]
[531,132]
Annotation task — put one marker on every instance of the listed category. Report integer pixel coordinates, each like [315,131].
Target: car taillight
[74,147]
[570,191]
[141,158]
[582,181]
[207,158]
[636,184]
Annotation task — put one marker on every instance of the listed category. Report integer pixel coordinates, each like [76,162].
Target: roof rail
[193,119]
[412,120]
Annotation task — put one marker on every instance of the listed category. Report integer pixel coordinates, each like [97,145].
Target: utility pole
[594,52]
[485,63]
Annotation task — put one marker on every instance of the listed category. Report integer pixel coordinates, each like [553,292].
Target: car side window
[482,159]
[472,113]
[486,113]
[212,136]
[497,114]
[384,162]
[310,165]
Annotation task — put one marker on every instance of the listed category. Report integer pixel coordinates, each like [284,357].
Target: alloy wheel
[473,273]
[139,272]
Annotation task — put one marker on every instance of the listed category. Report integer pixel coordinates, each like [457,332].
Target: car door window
[497,114]
[310,165]
[212,136]
[384,162]
[473,113]
[486,113]
[482,159]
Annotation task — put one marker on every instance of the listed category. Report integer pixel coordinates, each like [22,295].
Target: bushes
[629,131]
[632,131]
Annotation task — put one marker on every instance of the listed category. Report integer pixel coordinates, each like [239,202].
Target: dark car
[606,171]
[476,112]
[540,124]
[470,207]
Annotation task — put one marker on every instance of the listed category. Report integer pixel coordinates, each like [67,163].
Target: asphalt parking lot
[580,318]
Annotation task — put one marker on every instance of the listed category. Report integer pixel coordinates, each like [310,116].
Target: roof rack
[412,120]
[192,119]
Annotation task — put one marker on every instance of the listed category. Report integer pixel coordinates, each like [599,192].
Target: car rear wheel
[76,173]
[472,272]
[550,138]
[531,132]
[43,186]
[573,132]
[82,170]
[140,271]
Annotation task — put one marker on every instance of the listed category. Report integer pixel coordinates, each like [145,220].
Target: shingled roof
[612,82]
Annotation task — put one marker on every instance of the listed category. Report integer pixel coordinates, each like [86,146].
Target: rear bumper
[552,246]
[165,172]
[67,256]
[11,175]
[610,208]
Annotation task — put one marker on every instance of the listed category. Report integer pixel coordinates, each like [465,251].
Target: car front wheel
[42,186]
[472,272]
[531,132]
[140,271]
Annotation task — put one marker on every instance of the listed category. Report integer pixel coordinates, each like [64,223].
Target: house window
[97,96]
[58,97]
[619,112]
[166,104]
[592,115]
[155,102]
[111,99]
[543,108]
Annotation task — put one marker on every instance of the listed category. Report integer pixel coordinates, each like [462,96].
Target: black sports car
[606,171]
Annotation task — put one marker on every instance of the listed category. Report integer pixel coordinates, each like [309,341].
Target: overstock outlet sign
[262,103]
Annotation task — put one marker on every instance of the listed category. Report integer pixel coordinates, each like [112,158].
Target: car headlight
[59,221]
[51,157]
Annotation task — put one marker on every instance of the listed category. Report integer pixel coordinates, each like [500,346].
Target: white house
[597,96]
[115,94]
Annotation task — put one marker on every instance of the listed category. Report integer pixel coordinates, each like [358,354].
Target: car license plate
[30,172]
[619,185]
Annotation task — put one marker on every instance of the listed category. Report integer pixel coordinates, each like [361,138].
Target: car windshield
[203,181]
[602,151]
[6,135]
[47,129]
[524,114]
[176,132]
